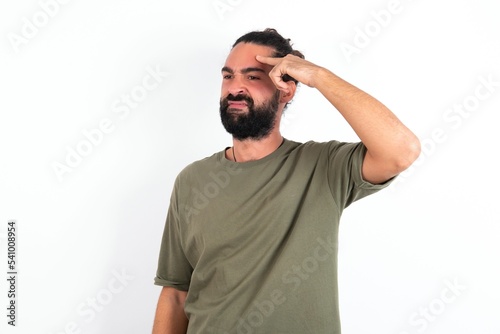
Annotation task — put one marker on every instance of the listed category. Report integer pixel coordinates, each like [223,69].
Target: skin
[170,317]
[250,69]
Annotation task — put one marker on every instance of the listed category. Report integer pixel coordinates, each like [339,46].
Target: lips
[237,104]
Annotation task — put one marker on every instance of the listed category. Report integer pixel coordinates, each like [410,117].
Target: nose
[236,86]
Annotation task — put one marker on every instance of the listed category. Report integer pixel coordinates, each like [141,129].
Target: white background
[438,223]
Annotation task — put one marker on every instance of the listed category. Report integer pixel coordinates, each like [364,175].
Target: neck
[250,149]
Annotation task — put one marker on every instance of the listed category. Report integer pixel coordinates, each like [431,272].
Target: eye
[226,76]
[252,77]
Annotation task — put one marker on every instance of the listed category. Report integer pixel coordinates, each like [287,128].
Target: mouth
[237,107]
[237,104]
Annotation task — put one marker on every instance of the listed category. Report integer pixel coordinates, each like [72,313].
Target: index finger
[268,60]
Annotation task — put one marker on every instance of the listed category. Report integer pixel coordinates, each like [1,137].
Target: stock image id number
[11,251]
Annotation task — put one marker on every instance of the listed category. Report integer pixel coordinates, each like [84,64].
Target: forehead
[243,56]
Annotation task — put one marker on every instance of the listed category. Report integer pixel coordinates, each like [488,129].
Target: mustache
[239,97]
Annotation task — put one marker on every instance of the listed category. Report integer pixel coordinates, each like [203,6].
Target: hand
[296,67]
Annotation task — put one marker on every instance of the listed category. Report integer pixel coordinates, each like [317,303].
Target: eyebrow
[244,71]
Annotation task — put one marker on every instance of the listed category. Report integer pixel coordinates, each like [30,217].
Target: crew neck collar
[229,163]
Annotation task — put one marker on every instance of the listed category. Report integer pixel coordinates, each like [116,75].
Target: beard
[256,123]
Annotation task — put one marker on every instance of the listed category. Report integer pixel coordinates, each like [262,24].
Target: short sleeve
[174,270]
[345,173]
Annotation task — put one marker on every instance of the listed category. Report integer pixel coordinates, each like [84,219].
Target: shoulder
[328,148]
[199,166]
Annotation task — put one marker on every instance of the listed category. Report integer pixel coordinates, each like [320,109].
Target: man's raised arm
[391,146]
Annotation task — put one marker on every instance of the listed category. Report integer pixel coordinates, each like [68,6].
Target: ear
[286,97]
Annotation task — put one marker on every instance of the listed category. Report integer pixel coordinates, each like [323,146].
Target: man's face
[249,99]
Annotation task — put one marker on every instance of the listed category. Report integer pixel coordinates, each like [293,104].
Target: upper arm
[170,317]
[376,171]
[172,295]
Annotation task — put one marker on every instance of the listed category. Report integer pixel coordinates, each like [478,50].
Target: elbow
[397,159]
[409,153]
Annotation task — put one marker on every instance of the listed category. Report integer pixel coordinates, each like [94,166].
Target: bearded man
[250,240]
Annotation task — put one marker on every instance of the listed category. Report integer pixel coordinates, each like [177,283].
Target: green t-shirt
[255,243]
